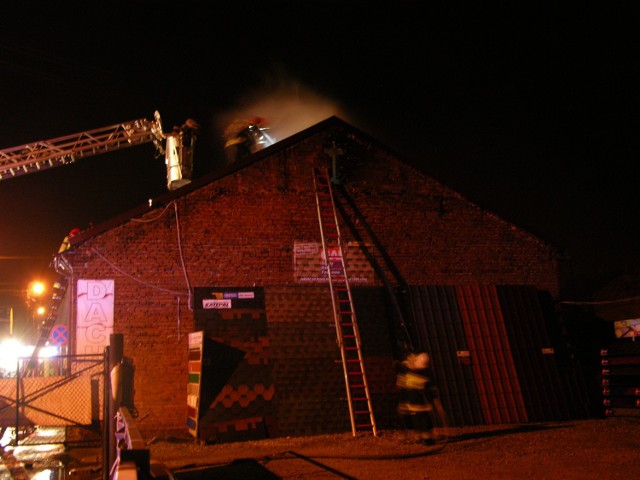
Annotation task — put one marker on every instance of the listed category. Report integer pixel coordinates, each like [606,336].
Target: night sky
[527,111]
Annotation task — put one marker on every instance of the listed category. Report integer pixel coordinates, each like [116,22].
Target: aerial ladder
[176,146]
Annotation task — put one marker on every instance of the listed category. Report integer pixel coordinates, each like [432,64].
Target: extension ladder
[359,399]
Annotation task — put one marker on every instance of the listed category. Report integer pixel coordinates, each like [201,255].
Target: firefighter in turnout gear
[244,137]
[416,395]
[236,145]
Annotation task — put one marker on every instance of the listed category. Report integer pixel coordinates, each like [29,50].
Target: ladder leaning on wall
[359,399]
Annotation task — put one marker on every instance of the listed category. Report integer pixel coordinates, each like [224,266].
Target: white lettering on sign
[246,295]
[305,248]
[209,303]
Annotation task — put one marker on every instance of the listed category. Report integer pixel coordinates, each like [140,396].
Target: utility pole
[6,317]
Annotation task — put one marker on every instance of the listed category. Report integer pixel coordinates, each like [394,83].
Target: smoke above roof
[287,106]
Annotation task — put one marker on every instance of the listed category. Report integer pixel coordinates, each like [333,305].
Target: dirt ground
[601,449]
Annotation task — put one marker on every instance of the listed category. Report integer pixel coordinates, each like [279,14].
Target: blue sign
[59,335]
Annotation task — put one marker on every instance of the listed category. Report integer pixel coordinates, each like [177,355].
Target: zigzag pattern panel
[234,320]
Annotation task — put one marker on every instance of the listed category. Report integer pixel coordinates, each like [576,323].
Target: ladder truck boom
[42,155]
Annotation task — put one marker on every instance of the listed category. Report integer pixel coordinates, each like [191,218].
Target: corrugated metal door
[493,358]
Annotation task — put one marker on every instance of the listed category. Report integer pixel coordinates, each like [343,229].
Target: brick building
[237,255]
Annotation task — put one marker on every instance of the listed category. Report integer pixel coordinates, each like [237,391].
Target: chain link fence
[62,395]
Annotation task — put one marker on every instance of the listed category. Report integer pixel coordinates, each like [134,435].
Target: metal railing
[63,392]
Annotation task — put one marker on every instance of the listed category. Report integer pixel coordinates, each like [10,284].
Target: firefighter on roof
[240,138]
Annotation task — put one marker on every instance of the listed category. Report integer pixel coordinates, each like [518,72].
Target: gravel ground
[588,449]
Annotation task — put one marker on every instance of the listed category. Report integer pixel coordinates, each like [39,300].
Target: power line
[22,257]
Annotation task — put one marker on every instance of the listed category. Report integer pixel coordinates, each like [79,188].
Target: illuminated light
[48,432]
[41,311]
[36,452]
[37,288]
[7,440]
[11,350]
[49,448]
[48,352]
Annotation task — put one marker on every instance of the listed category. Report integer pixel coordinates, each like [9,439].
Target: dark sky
[528,111]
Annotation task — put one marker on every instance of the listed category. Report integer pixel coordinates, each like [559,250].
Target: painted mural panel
[237,389]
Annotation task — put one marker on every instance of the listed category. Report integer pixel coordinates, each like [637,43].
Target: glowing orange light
[37,288]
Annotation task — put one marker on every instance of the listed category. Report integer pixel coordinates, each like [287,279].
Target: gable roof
[168,197]
[332,122]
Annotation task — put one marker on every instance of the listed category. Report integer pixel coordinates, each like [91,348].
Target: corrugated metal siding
[547,393]
[493,365]
[442,335]
[494,361]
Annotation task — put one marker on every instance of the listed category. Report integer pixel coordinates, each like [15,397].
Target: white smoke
[287,106]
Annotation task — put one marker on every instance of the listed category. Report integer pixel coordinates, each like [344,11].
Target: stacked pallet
[621,379]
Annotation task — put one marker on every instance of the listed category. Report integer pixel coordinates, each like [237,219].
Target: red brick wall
[240,230]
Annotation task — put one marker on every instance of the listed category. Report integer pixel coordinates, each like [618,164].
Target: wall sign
[94,319]
[310,265]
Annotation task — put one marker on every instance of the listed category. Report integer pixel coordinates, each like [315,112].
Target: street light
[35,293]
[36,289]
